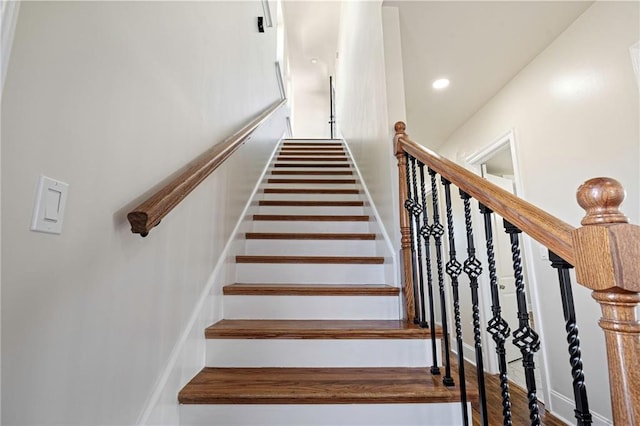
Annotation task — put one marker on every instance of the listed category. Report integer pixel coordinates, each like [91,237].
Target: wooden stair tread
[310,191]
[314,144]
[342,260]
[306,236]
[317,329]
[313,172]
[312,218]
[317,386]
[313,181]
[316,203]
[318,159]
[265,289]
[340,165]
[311,152]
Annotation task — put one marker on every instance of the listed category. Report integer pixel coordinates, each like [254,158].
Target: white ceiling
[312,32]
[478,45]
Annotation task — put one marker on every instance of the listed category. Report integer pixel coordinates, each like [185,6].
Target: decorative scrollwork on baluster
[454,268]
[582,413]
[524,338]
[497,326]
[437,231]
[425,233]
[473,268]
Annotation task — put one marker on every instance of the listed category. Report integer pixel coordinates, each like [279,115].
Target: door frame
[474,162]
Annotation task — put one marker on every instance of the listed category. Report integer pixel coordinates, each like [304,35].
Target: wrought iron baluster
[437,231]
[524,338]
[473,269]
[582,413]
[497,326]
[416,211]
[454,268]
[409,206]
[425,232]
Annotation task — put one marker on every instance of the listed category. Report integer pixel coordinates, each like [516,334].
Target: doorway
[498,164]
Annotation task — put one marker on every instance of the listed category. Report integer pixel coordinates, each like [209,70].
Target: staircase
[312,333]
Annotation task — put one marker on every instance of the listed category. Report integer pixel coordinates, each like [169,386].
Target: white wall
[113,97]
[575,112]
[362,106]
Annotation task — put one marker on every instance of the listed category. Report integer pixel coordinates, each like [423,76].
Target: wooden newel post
[608,262]
[405,230]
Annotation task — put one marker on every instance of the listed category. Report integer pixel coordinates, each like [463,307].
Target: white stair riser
[319,353]
[304,273]
[313,210]
[436,414]
[311,307]
[311,247]
[311,185]
[309,226]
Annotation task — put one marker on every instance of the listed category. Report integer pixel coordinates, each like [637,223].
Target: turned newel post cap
[601,198]
[400,127]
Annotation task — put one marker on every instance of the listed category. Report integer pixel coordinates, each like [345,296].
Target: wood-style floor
[519,401]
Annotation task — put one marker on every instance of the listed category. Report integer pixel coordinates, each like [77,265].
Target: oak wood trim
[405,234]
[316,329]
[313,165]
[310,191]
[540,225]
[313,203]
[148,214]
[307,236]
[318,386]
[312,181]
[333,260]
[285,152]
[265,289]
[313,144]
[312,218]
[313,172]
[310,159]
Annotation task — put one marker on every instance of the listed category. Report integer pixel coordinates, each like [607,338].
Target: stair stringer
[189,353]
[384,246]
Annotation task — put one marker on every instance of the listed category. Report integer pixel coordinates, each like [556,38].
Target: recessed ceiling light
[441,83]
[314,61]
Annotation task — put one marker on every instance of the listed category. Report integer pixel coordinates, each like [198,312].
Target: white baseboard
[161,408]
[562,407]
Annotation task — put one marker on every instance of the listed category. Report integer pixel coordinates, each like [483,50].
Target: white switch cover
[48,211]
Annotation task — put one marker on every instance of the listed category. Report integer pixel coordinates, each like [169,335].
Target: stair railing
[605,252]
[149,214]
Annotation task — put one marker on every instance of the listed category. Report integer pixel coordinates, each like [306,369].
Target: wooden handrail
[151,211]
[540,225]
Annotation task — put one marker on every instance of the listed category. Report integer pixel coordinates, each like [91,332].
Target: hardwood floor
[519,404]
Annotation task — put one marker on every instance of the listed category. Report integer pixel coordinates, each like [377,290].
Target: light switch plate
[48,211]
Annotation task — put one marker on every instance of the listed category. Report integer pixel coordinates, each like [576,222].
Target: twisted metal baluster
[409,206]
[425,231]
[582,413]
[454,268]
[524,338]
[416,211]
[473,269]
[437,231]
[497,326]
